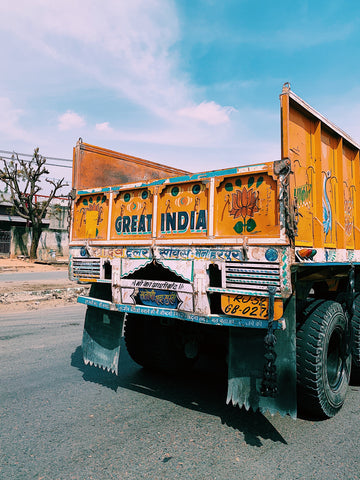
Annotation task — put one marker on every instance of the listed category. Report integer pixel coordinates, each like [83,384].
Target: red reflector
[307,253]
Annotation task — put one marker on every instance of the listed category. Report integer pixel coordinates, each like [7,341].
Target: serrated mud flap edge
[101,338]
[246,363]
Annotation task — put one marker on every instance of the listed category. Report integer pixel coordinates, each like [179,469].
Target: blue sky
[188,83]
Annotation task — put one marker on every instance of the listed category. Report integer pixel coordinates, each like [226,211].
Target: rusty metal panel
[99,167]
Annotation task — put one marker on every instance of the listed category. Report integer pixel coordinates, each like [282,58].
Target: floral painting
[244,205]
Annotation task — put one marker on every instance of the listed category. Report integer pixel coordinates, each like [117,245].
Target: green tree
[23,181]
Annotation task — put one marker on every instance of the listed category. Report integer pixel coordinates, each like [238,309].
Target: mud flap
[246,365]
[101,338]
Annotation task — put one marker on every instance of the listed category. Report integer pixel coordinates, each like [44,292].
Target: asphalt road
[62,420]
[33,276]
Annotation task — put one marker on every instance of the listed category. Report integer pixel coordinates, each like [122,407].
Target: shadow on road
[355,376]
[202,389]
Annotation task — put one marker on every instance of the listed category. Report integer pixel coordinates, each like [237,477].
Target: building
[15,231]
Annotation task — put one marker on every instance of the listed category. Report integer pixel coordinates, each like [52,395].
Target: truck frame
[257,264]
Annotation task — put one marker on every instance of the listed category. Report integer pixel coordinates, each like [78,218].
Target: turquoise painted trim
[161,261]
[95,190]
[200,176]
[135,269]
[220,320]
[94,302]
[207,320]
[325,264]
[252,275]
[156,182]
[252,282]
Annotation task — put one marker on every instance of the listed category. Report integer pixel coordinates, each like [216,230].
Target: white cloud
[122,45]
[10,127]
[129,47]
[128,50]
[208,112]
[70,120]
[103,127]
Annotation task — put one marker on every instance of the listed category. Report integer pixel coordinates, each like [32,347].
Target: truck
[257,266]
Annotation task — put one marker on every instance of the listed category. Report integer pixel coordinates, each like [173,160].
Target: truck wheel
[323,359]
[155,346]
[355,323]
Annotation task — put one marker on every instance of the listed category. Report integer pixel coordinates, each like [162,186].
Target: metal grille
[252,277]
[86,267]
[5,239]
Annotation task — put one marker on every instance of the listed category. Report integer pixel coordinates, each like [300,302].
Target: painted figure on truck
[258,265]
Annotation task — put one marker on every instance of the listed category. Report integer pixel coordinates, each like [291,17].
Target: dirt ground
[9,265]
[36,294]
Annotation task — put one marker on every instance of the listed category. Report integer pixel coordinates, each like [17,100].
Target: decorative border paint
[184,178]
[285,276]
[220,254]
[129,266]
[122,252]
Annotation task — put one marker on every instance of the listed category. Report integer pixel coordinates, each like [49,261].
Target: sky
[192,84]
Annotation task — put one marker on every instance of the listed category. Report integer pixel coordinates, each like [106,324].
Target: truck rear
[255,264]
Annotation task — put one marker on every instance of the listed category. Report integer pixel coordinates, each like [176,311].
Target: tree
[23,179]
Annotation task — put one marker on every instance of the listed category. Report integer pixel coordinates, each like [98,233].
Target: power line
[3,158]
[28,155]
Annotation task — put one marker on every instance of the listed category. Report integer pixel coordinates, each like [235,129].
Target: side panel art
[91,217]
[183,211]
[246,205]
[325,175]
[132,214]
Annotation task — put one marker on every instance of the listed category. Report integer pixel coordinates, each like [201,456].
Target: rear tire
[155,345]
[323,359]
[355,324]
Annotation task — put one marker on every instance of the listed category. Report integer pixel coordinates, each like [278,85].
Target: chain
[269,380]
[71,198]
[283,170]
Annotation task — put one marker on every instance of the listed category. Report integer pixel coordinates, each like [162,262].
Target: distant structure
[15,231]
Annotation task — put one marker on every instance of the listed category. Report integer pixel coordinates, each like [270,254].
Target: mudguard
[101,338]
[246,366]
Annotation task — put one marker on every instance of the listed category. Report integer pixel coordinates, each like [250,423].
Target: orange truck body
[229,237]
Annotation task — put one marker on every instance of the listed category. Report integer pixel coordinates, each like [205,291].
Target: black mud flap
[101,338]
[246,368]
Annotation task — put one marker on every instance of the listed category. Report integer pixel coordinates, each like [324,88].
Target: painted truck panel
[326,171]
[220,207]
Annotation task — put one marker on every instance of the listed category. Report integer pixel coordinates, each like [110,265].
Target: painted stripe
[94,302]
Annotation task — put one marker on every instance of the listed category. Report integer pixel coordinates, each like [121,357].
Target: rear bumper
[221,320]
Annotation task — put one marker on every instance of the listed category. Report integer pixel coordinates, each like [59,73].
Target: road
[62,420]
[33,276]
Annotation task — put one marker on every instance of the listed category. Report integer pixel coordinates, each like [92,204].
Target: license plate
[250,306]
